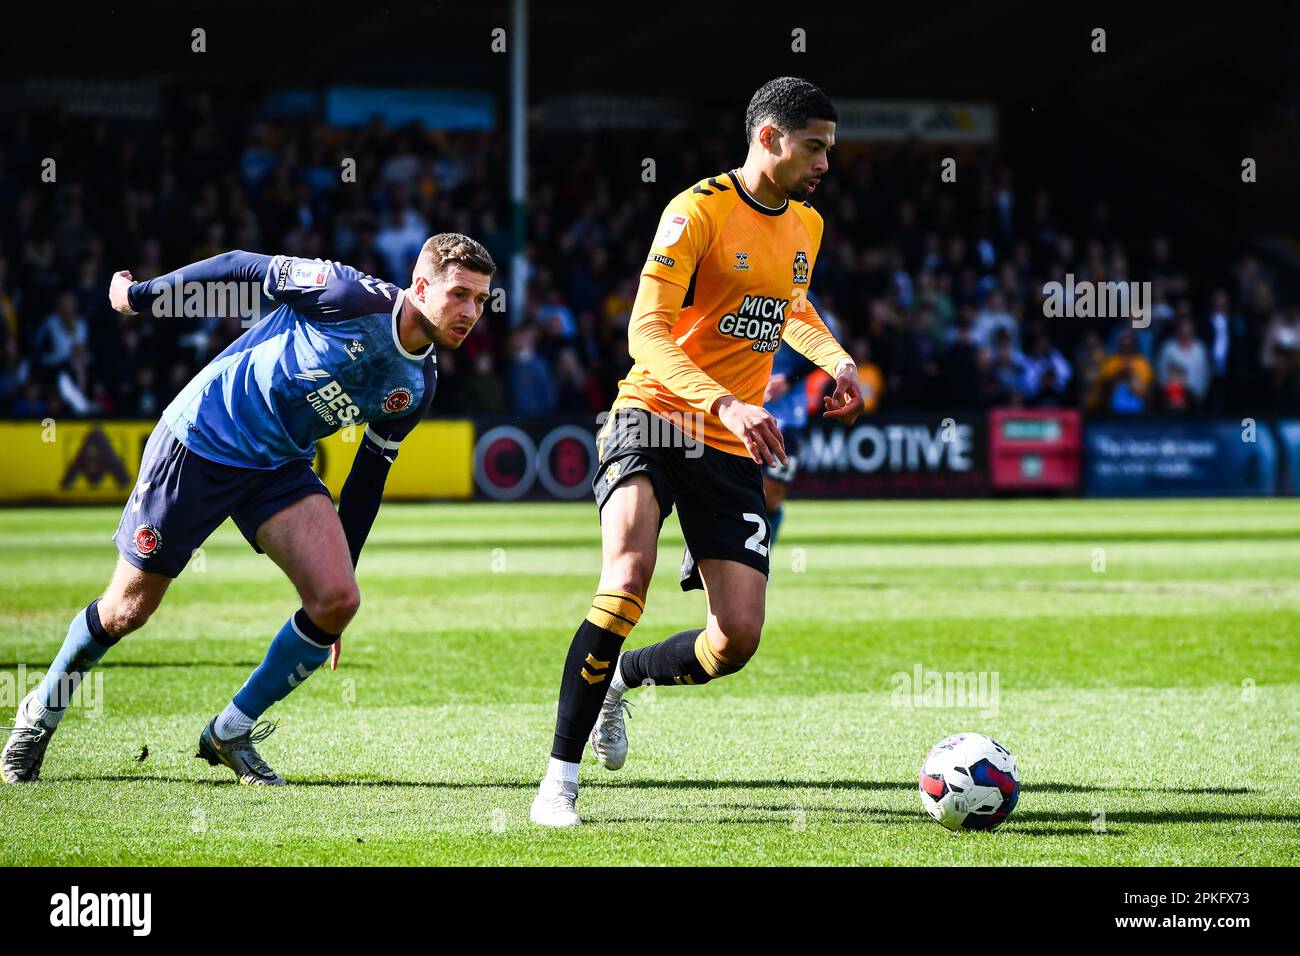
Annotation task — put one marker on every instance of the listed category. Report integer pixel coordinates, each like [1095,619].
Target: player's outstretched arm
[130,298]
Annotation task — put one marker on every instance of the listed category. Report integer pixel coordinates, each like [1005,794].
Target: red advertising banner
[1034,449]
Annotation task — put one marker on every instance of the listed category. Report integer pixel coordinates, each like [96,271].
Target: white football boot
[25,750]
[609,736]
[554,805]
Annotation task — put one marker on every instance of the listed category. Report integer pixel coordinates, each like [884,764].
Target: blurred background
[1124,165]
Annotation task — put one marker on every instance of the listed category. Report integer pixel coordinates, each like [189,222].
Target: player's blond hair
[446,249]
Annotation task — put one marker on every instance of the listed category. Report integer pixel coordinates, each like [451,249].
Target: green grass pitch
[1151,705]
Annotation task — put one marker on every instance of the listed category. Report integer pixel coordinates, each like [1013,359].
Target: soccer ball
[969,782]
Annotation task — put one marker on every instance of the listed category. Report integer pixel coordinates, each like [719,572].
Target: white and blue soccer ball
[969,782]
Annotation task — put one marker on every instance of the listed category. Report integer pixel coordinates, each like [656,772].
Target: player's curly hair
[446,249]
[788,103]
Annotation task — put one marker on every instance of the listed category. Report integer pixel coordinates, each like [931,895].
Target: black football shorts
[719,496]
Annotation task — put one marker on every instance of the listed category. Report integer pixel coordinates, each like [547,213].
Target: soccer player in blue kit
[341,348]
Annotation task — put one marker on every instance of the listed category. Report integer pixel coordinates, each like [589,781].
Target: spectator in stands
[1224,326]
[61,332]
[1126,371]
[556,317]
[528,380]
[959,365]
[1173,388]
[901,259]
[873,382]
[400,239]
[1090,360]
[10,329]
[1281,358]
[477,389]
[1129,394]
[1007,370]
[993,318]
[13,375]
[1185,353]
[1046,373]
[577,392]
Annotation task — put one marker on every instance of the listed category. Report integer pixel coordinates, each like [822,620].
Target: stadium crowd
[937,289]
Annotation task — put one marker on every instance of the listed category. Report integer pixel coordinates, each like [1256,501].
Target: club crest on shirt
[801,268]
[146,541]
[398,400]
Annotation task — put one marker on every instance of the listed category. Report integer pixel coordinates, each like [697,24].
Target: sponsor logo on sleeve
[672,230]
[663,260]
[309,275]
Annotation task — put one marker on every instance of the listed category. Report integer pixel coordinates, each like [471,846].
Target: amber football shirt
[726,280]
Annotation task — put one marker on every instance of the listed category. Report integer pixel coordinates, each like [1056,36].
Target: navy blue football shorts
[180,498]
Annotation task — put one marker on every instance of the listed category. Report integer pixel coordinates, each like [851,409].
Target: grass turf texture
[1126,693]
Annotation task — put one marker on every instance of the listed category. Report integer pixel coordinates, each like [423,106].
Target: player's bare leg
[126,604]
[736,594]
[629,528]
[307,542]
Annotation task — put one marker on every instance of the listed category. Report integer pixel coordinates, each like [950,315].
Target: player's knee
[630,573]
[122,614]
[736,637]
[335,607]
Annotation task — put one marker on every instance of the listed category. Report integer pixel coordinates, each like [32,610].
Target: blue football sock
[297,651]
[774,522]
[86,643]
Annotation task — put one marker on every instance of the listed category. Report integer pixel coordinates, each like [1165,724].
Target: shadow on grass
[1026,823]
[133,665]
[531,782]
[159,665]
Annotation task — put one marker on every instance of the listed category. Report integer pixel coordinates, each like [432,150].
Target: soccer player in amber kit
[725,283]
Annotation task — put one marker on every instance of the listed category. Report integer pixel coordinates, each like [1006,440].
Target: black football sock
[684,658]
[588,668]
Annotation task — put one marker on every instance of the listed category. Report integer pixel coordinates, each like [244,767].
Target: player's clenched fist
[117,290]
[755,427]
